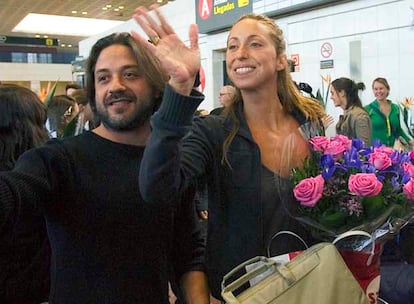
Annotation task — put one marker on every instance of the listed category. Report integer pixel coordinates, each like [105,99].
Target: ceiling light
[69,45]
[121,7]
[105,8]
[74,12]
[159,1]
[63,45]
[84,13]
[108,6]
[116,9]
[64,25]
[37,36]
[45,36]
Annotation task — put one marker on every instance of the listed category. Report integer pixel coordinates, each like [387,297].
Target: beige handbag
[318,275]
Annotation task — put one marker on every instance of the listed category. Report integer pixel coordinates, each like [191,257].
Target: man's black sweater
[108,245]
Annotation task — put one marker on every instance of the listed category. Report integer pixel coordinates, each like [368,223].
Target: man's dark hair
[147,62]
[74,86]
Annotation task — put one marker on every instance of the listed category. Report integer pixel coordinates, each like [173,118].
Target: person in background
[24,247]
[355,122]
[85,119]
[108,244]
[238,155]
[71,87]
[60,112]
[385,115]
[227,94]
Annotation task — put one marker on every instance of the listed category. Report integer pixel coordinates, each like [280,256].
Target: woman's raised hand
[181,62]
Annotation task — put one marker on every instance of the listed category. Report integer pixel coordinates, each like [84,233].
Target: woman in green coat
[385,115]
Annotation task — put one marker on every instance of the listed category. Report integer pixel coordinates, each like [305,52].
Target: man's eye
[131,75]
[231,47]
[102,78]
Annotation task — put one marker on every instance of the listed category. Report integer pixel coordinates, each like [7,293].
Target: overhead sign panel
[213,15]
[28,41]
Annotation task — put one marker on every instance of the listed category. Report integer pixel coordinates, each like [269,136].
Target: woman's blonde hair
[290,97]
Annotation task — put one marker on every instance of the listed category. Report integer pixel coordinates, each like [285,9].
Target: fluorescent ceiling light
[64,25]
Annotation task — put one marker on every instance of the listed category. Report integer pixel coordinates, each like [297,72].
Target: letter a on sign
[204,9]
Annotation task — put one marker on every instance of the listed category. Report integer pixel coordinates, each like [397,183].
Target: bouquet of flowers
[345,186]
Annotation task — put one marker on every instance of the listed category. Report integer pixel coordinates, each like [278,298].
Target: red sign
[205,9]
[295,59]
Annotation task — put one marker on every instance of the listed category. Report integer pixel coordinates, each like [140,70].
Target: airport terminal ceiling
[13,12]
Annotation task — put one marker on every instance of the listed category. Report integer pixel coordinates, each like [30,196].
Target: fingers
[163,22]
[142,41]
[150,25]
[147,24]
[193,34]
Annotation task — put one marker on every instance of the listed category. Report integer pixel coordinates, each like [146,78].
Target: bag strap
[358,233]
[269,243]
[267,265]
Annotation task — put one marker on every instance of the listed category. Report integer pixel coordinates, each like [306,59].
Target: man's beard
[129,121]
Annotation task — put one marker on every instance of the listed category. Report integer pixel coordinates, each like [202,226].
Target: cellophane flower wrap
[344,185]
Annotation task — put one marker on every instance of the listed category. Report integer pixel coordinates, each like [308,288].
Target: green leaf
[50,94]
[70,128]
[319,98]
[326,95]
[333,219]
[373,205]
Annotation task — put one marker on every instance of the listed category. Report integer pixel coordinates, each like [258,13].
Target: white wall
[384,27]
[35,71]
[35,74]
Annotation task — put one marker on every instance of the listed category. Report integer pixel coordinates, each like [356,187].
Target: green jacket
[385,129]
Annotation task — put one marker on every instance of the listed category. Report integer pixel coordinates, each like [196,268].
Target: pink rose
[408,190]
[347,143]
[411,155]
[384,149]
[380,160]
[336,149]
[309,191]
[408,168]
[364,184]
[319,143]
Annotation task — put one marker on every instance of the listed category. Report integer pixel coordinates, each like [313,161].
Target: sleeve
[171,163]
[189,238]
[31,186]
[363,128]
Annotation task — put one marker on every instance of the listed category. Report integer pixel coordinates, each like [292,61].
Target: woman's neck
[383,101]
[262,106]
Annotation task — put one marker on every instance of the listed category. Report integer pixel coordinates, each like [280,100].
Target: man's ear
[281,62]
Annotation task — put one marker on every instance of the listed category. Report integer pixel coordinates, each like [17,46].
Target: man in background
[70,88]
[226,96]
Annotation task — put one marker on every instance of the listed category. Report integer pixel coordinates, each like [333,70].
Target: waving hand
[180,61]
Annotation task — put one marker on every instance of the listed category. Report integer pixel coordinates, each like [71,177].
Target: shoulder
[395,106]
[209,121]
[359,111]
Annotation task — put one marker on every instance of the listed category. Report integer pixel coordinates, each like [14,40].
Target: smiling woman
[385,115]
[236,153]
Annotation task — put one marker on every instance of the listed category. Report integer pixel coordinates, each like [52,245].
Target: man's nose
[117,84]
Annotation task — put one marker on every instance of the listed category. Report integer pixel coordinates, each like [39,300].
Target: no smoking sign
[326,50]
